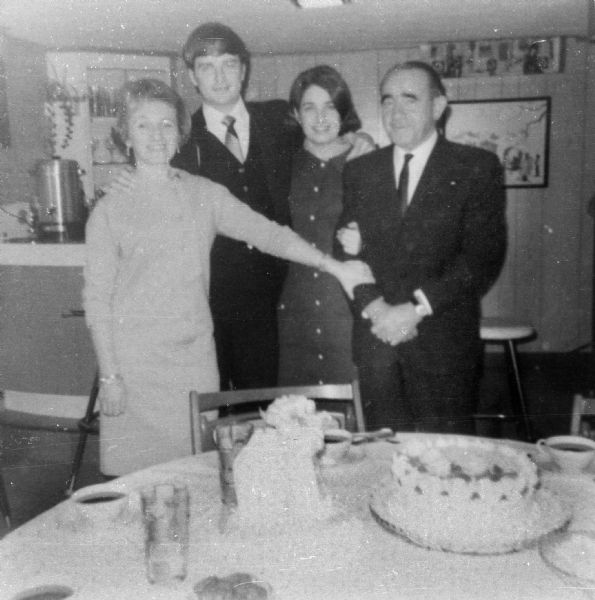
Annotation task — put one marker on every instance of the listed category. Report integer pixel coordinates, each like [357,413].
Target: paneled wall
[548,275]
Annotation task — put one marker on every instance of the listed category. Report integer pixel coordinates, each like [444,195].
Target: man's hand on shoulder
[122,183]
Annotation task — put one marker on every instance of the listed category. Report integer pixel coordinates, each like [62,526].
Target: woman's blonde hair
[147,90]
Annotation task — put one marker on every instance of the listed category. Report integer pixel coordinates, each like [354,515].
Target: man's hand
[361,143]
[112,399]
[353,273]
[350,238]
[392,324]
[123,182]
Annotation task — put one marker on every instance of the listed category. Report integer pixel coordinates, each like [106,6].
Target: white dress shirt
[416,164]
[214,121]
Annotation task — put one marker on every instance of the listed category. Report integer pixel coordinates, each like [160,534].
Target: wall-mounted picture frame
[486,58]
[517,130]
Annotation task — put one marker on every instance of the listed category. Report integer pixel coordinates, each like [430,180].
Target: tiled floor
[36,462]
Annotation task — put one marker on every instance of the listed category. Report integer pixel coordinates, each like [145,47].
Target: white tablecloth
[351,557]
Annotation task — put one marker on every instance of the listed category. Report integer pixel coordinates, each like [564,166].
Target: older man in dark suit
[428,216]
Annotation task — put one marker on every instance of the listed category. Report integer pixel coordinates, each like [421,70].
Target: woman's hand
[350,238]
[351,274]
[112,398]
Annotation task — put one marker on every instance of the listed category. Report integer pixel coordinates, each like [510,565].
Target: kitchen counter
[42,254]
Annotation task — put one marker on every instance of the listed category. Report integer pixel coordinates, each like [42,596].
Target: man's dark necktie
[403,184]
[231,138]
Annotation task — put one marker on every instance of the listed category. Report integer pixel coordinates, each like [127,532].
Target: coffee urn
[60,211]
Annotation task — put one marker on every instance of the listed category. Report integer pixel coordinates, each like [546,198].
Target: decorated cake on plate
[467,494]
[275,475]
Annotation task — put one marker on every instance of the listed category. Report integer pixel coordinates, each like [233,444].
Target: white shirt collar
[417,164]
[214,122]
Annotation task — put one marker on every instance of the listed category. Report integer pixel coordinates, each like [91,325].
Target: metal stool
[496,330]
[88,424]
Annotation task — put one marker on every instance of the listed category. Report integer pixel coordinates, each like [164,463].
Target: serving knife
[370,436]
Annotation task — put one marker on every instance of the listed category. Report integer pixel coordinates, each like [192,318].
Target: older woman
[147,280]
[314,318]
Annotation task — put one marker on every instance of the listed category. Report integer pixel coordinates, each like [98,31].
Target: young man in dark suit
[434,235]
[247,147]
[256,168]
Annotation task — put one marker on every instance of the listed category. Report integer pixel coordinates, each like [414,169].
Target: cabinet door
[46,347]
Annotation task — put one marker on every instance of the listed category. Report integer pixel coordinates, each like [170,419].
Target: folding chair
[346,396]
[88,424]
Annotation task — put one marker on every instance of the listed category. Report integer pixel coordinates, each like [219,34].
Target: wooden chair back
[345,395]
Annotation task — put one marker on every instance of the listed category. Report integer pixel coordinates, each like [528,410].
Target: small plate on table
[571,555]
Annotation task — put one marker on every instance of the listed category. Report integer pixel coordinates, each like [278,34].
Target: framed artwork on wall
[485,58]
[515,129]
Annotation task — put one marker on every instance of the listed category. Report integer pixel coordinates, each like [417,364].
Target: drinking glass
[166,515]
[230,439]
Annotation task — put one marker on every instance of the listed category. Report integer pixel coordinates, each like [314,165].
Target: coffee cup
[572,453]
[101,503]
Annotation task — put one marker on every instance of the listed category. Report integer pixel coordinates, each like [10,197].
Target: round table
[352,557]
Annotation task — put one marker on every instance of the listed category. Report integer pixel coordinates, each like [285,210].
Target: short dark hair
[330,80]
[436,85]
[214,39]
[134,92]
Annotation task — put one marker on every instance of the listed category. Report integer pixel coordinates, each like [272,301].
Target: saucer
[571,555]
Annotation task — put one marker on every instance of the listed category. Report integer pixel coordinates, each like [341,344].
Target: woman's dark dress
[314,317]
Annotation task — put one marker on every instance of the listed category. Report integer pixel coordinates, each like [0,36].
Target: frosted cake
[468,495]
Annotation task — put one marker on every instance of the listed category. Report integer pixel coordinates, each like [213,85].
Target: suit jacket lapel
[385,189]
[433,177]
[201,136]
[260,134]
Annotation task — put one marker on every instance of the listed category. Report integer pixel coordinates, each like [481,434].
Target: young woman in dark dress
[314,317]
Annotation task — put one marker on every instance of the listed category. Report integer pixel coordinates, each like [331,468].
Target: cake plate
[550,514]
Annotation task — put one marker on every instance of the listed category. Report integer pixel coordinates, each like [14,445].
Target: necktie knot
[229,121]
[232,141]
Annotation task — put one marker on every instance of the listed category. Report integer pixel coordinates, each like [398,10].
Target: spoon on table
[370,436]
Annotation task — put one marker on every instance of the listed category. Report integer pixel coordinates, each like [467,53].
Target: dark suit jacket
[451,243]
[239,273]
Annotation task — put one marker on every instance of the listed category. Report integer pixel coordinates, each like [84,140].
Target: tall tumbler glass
[166,514]
[230,439]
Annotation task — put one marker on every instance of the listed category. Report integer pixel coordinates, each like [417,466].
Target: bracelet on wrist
[109,379]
